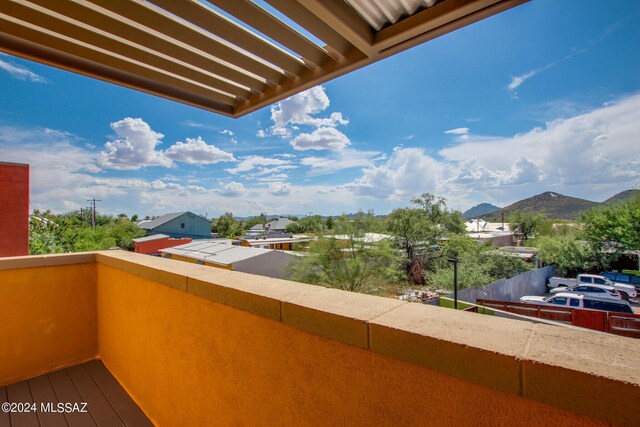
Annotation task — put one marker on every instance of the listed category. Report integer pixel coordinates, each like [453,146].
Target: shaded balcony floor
[107,403]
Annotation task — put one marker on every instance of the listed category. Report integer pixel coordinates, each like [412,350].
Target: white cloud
[232,189]
[408,172]
[522,171]
[21,73]
[197,151]
[60,166]
[321,139]
[279,189]
[230,134]
[518,80]
[592,155]
[136,144]
[457,131]
[135,147]
[274,178]
[251,163]
[302,109]
[340,160]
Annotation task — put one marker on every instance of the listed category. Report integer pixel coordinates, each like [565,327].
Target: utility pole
[93,217]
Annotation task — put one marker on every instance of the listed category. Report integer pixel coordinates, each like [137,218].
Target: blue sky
[545,96]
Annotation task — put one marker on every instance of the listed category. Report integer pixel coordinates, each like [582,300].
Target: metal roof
[227,56]
[276,224]
[215,251]
[156,222]
[151,224]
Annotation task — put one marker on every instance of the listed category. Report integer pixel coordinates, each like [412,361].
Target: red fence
[624,324]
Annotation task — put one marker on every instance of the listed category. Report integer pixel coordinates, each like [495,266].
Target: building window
[182,225]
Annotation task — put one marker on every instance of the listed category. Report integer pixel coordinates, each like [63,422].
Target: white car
[627,291]
[569,300]
[600,291]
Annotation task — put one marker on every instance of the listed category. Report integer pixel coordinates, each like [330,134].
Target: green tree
[350,264]
[308,224]
[51,233]
[525,223]
[417,230]
[478,265]
[613,229]
[227,226]
[329,223]
[570,254]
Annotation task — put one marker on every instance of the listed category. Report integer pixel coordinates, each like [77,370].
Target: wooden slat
[340,16]
[316,26]
[269,25]
[213,22]
[34,51]
[66,45]
[42,392]
[110,22]
[101,410]
[5,419]
[44,18]
[149,16]
[67,393]
[130,413]
[20,393]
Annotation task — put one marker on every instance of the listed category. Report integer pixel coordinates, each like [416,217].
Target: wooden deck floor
[107,404]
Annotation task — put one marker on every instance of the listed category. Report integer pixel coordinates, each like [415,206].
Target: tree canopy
[349,262]
[49,233]
[525,223]
[614,229]
[417,230]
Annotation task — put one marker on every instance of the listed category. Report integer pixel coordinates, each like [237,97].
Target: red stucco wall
[153,246]
[14,209]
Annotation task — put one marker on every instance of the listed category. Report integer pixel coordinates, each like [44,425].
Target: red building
[14,214]
[151,245]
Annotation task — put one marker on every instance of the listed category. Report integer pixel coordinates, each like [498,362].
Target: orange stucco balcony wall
[194,345]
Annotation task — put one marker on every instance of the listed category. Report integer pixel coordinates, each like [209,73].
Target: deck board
[20,393]
[5,419]
[108,404]
[66,392]
[42,392]
[101,410]
[128,411]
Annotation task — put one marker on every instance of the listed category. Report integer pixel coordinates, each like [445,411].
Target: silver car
[591,290]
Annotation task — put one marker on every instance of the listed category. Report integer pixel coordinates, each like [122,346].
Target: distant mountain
[622,197]
[480,210]
[553,205]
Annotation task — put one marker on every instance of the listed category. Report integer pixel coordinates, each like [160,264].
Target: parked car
[627,291]
[624,278]
[600,291]
[570,300]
